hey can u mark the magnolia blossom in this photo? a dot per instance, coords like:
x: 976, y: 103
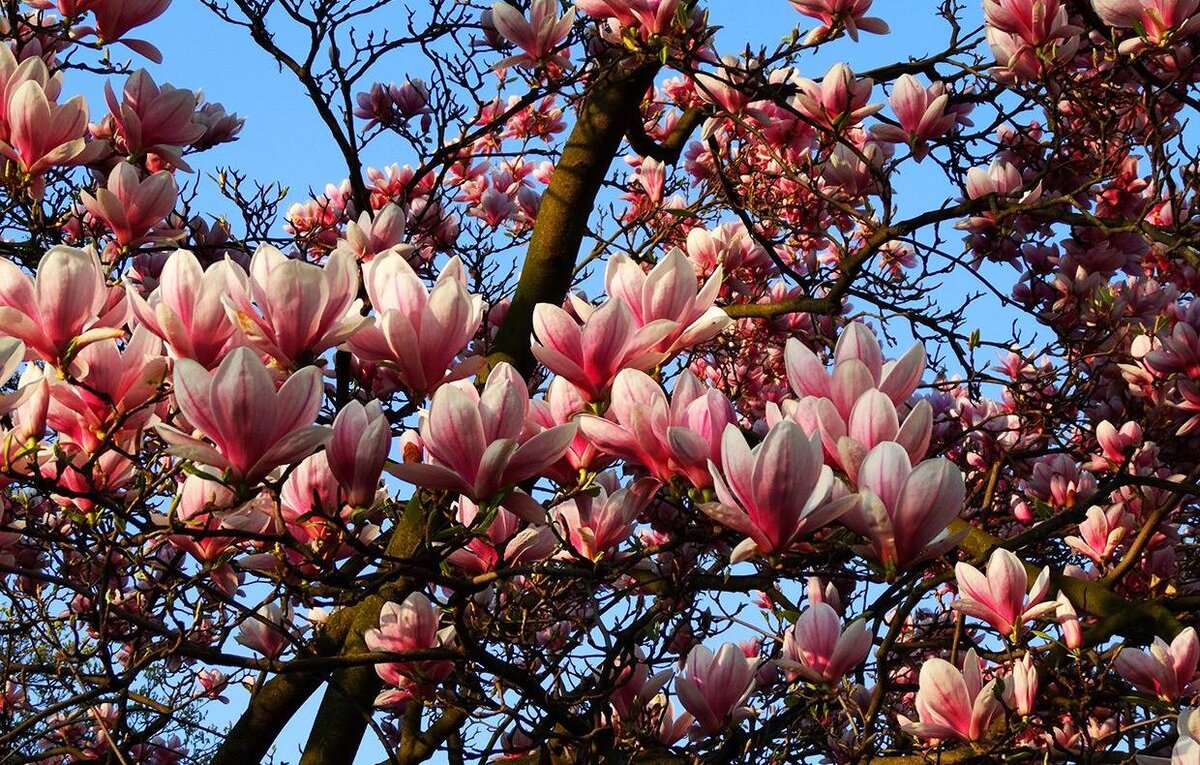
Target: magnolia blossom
x: 679, y: 438
x: 817, y: 648
x: 999, y: 597
x: 924, y: 114
x: 669, y: 292
x: 1156, y: 22
x: 130, y: 206
x: 1025, y: 684
x: 474, y: 442
x: 953, y: 704
x: 187, y: 309
x: 66, y: 306
x: 903, y: 509
x: 610, y: 340
x: 714, y: 687
x: 418, y: 332
x: 409, y: 626
x: 265, y: 631
x: 299, y: 310
x: 1187, y: 747
x: 1165, y: 670
x: 776, y: 492
x: 834, y: 14
x: 502, y: 537
x: 538, y: 37
x: 594, y: 525
x: 254, y: 428
x: 357, y: 449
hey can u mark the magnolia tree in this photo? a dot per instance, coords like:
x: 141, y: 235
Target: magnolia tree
x: 594, y: 428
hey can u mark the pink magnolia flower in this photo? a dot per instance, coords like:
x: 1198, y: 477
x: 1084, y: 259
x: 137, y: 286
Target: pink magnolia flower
x: 66, y: 306
x: 505, y: 539
x: 669, y: 292
x: 265, y: 631
x: 1166, y: 671
x: 473, y: 441
x: 775, y: 493
x: 116, y: 385
x: 152, y: 119
x: 538, y: 37
x: 187, y: 310
x: 417, y: 332
x: 858, y: 366
x: 254, y: 427
x: 653, y: 16
x: 1101, y: 532
x: 1156, y: 22
x: 115, y: 18
x: 673, y: 439
x: 955, y: 705
x: 1000, y: 598
x: 372, y: 235
x: 850, y: 15
x: 817, y: 648
x: 1187, y: 746
x: 207, y: 507
x: 1115, y: 445
x: 902, y: 509
x: 715, y: 687
x: 43, y: 134
x: 595, y: 524
x: 1068, y: 622
x: 591, y: 356
x: 1025, y: 685
x: 302, y: 309
x: 357, y: 450
x: 924, y: 114
x: 130, y: 206
x: 409, y: 626
x: 838, y: 101
x: 1028, y: 35
x: 561, y: 405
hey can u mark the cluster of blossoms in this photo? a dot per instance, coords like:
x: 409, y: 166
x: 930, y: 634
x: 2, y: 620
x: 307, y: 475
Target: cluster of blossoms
x: 484, y: 507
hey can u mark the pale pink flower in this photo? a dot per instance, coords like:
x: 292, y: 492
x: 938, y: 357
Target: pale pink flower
x: 299, y: 310
x: 66, y: 306
x: 538, y: 37
x: 115, y: 18
x: 594, y: 525
x: 904, y: 509
x: 131, y: 206
x: 187, y: 308
x: 653, y: 16
x: 858, y: 366
x: 1101, y: 532
x: 265, y: 631
x: 1025, y: 684
x: 43, y: 134
x: 850, y: 15
x: 924, y: 114
x: 418, y: 332
x: 714, y: 688
x: 952, y: 704
x: 672, y: 439
x: 505, y: 539
x: 357, y: 450
x: 561, y: 405
x: 409, y: 626
x: 254, y: 428
x: 1068, y: 622
x: 372, y: 235
x: 838, y: 101
x: 817, y: 648
x: 591, y: 356
x: 1165, y: 670
x: 1002, y: 597
x: 1156, y: 22
x: 669, y: 291
x: 154, y: 119
x: 775, y: 493
x: 473, y: 440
